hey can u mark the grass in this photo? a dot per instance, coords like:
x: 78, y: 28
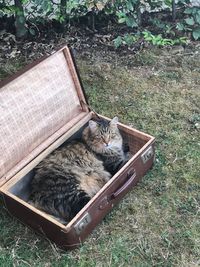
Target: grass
x: 157, y: 223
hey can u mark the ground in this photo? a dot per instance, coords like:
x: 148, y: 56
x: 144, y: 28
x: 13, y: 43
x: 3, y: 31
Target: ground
x: 157, y: 224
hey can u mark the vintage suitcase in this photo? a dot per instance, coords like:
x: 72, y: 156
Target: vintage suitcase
x: 40, y: 108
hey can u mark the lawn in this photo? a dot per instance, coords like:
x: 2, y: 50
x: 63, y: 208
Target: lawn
x: 157, y: 223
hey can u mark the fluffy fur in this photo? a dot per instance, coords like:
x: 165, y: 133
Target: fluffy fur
x: 69, y: 177
x: 106, y: 141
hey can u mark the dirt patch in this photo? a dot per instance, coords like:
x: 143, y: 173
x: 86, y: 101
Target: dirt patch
x: 94, y: 48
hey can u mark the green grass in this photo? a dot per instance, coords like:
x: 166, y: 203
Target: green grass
x: 157, y: 223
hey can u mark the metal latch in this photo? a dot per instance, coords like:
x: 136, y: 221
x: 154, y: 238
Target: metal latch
x: 82, y: 223
x: 147, y: 154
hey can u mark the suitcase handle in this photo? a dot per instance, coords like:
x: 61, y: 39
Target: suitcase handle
x: 131, y: 177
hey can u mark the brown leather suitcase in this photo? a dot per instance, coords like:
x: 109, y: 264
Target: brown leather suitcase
x: 40, y: 108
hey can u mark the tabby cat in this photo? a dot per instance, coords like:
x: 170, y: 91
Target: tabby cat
x: 69, y: 177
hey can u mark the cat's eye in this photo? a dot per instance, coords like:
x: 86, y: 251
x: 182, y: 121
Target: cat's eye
x: 97, y: 137
x: 113, y: 135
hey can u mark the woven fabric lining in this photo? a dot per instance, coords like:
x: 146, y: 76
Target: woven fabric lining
x: 33, y: 107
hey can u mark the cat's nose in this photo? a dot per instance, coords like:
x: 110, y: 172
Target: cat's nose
x: 106, y: 141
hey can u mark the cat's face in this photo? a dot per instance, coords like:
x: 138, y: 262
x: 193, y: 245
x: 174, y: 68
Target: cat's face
x: 104, y: 136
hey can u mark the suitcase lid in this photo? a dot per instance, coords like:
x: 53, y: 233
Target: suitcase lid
x: 38, y: 105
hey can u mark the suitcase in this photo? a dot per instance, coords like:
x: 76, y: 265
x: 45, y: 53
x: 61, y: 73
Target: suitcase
x: 41, y: 107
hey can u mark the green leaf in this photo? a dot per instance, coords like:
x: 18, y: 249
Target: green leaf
x: 129, y: 39
x: 49, y: 13
x: 38, y: 2
x: 188, y: 11
x: 129, y: 6
x: 130, y: 22
x: 122, y: 20
x: 25, y: 1
x: 196, y: 33
x: 146, y: 33
x: 148, y: 38
x: 190, y: 21
x: 120, y: 14
x: 61, y: 19
x: 168, y: 2
x: 180, y: 26
x: 118, y: 41
x: 197, y: 17
x: 32, y: 31
x: 154, y: 41
x: 46, y: 5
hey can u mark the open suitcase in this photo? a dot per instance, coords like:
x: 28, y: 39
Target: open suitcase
x: 41, y: 107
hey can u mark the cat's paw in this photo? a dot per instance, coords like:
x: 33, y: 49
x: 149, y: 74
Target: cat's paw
x: 128, y: 156
x: 126, y: 148
x: 106, y: 176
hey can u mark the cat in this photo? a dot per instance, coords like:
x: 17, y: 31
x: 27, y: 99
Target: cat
x: 69, y: 177
x: 106, y: 141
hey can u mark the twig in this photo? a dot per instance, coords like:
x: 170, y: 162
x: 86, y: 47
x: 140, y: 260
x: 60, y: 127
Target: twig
x: 35, y: 27
x: 173, y: 10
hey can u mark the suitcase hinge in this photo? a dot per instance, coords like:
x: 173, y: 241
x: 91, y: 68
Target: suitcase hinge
x: 147, y: 155
x: 82, y: 223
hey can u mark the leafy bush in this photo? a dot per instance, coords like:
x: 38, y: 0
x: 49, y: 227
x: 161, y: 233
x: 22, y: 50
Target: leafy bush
x: 185, y: 18
x: 191, y: 23
x: 170, y: 31
x: 157, y: 40
x: 127, y: 39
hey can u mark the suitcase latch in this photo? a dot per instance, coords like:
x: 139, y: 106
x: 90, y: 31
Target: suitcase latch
x: 82, y: 223
x: 147, y: 154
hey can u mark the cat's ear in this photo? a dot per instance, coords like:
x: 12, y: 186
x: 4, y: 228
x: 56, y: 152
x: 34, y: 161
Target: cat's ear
x: 114, y: 121
x: 92, y: 125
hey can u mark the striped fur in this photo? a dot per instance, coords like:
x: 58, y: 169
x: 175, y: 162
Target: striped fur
x: 106, y: 141
x: 69, y: 177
